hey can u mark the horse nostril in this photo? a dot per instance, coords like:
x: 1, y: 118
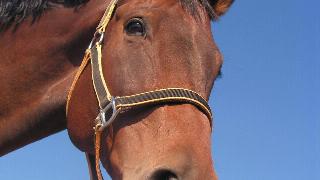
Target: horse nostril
x: 163, y: 174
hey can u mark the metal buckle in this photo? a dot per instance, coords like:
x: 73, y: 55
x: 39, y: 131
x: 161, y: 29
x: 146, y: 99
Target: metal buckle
x: 101, y: 118
x: 96, y: 35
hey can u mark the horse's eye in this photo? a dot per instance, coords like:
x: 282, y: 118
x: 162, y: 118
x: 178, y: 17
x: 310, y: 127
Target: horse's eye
x: 135, y: 27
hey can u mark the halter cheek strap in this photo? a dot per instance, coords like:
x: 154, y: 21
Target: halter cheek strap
x: 112, y: 106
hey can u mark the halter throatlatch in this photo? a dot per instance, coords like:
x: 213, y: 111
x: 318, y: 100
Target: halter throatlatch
x: 109, y: 104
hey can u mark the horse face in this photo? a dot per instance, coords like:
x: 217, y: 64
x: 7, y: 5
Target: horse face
x: 152, y: 45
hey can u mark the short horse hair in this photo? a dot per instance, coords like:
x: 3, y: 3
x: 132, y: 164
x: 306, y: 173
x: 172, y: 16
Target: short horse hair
x: 15, y: 11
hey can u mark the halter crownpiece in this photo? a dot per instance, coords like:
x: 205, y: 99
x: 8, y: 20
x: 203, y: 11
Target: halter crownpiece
x: 115, y: 105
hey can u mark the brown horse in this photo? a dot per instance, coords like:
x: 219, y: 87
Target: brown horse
x: 148, y: 45
x: 155, y: 45
x: 41, y: 45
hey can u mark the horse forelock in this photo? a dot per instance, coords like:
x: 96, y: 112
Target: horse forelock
x: 15, y: 11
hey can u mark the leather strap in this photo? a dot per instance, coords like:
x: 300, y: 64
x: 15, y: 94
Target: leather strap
x: 169, y: 95
x: 92, y: 166
x: 99, y: 83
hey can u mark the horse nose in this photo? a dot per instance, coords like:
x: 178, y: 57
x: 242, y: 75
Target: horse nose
x: 163, y: 174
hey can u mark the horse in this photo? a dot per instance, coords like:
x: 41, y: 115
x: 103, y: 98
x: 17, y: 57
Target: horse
x: 147, y: 46
x: 39, y: 54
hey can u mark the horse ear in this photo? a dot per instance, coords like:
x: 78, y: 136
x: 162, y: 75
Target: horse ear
x: 220, y: 6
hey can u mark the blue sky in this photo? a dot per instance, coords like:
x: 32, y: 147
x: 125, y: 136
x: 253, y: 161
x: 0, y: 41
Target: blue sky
x: 267, y: 117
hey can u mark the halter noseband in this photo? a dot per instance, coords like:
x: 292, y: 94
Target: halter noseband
x: 117, y: 104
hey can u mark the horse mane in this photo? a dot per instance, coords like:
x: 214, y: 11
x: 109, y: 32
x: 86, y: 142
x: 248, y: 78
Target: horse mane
x: 15, y: 11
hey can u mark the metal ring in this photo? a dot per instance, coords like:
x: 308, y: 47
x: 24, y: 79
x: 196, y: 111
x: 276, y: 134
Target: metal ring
x: 96, y: 35
x: 101, y: 118
x: 101, y: 38
x: 90, y: 45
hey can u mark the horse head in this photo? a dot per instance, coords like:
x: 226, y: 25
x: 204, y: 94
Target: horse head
x: 147, y: 46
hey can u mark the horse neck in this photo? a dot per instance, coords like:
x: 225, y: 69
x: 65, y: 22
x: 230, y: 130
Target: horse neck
x: 38, y: 60
x: 38, y: 55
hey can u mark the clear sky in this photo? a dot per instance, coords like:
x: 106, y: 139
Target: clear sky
x: 267, y: 117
